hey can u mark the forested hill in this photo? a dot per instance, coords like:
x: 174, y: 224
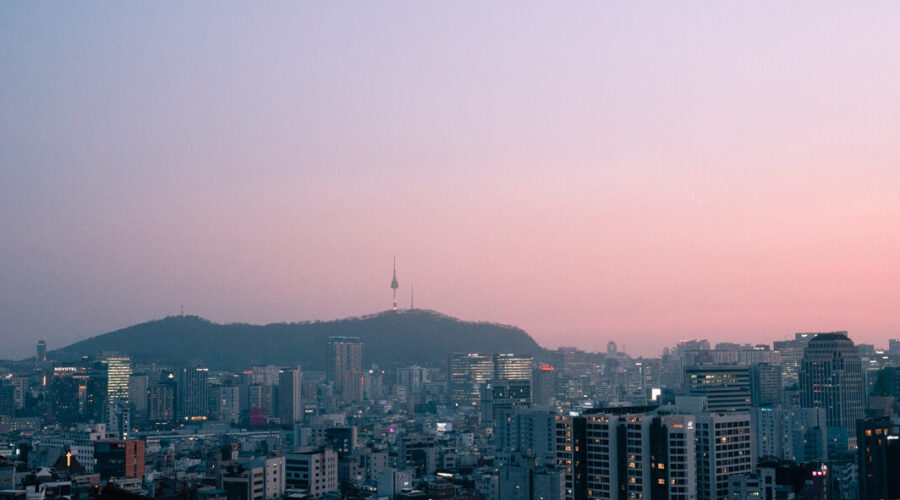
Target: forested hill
x: 392, y: 338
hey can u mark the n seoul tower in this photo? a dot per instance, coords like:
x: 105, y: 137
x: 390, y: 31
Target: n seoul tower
x: 394, y: 284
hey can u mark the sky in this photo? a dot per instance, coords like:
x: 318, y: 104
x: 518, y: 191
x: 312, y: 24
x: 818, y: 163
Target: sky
x: 643, y: 172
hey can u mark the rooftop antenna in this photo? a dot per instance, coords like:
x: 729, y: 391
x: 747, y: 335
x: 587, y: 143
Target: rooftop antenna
x: 412, y: 297
x: 182, y: 310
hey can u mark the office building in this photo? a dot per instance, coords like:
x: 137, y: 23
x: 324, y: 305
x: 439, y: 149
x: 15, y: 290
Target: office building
x: 469, y: 371
x: 766, y: 388
x: 524, y: 478
x: 161, y: 401
x: 345, y: 368
x: 41, y: 356
x: 290, y: 404
x: 193, y: 394
x: 724, y: 449
x: 413, y: 378
x: 791, y: 353
x: 255, y: 479
x: 467, y: 374
x: 760, y: 485
x: 119, y: 459
x: 118, y: 373
x: 629, y: 452
x: 544, y: 385
x: 138, y: 392
x: 726, y: 387
x: 503, y: 396
x: 228, y: 403
x: 512, y: 367
x: 831, y: 377
x: 527, y: 432
x: 878, y: 458
x: 312, y: 469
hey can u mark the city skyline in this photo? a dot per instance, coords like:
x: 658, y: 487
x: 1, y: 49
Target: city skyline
x: 605, y: 171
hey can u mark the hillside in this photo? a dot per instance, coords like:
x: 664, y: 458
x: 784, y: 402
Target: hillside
x: 391, y: 338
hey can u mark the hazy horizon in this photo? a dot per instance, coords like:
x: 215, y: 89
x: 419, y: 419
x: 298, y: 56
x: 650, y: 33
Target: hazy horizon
x: 603, y: 171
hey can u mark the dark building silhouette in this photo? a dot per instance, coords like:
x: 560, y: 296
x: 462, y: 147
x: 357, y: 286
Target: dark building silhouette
x: 41, y: 356
x: 878, y: 458
x: 193, y: 394
x: 766, y: 385
x: 119, y: 459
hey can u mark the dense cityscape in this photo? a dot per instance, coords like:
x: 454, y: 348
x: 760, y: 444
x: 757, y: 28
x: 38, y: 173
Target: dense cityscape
x: 647, y: 250
x: 815, y: 417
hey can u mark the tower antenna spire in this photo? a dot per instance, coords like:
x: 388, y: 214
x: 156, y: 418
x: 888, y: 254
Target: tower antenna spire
x: 394, y: 285
x: 412, y: 297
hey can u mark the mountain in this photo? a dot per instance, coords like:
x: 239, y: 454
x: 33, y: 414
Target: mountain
x: 390, y: 338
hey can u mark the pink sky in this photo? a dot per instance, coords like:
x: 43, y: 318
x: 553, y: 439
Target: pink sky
x: 641, y: 173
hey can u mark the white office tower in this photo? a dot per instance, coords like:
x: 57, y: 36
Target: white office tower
x: 314, y: 470
x: 724, y: 449
x: 768, y: 432
x: 118, y: 421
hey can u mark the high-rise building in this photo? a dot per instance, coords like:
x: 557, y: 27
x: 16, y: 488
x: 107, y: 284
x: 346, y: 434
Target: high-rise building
x: 261, y: 403
x: 118, y: 420
x: 791, y: 352
x: 290, y: 404
x: 193, y: 394
x: 118, y: 373
x: 878, y: 458
x: 766, y: 387
x: 724, y: 450
x: 525, y: 431
x: 345, y: 368
x: 413, y: 378
x: 20, y: 385
x: 632, y: 452
x: 7, y: 400
x: 499, y: 396
x: 95, y: 392
x: 469, y: 371
x: 512, y: 367
x: 41, y: 356
x: 228, y: 403
x: 544, y: 379
x: 65, y: 391
x: 726, y: 387
x: 138, y: 391
x: 467, y: 374
x: 789, y: 433
x: 161, y: 397
x: 831, y: 377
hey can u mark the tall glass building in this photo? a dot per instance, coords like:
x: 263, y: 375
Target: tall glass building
x: 118, y: 374
x: 831, y: 377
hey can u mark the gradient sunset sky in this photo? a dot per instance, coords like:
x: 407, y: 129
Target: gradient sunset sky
x: 635, y: 171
